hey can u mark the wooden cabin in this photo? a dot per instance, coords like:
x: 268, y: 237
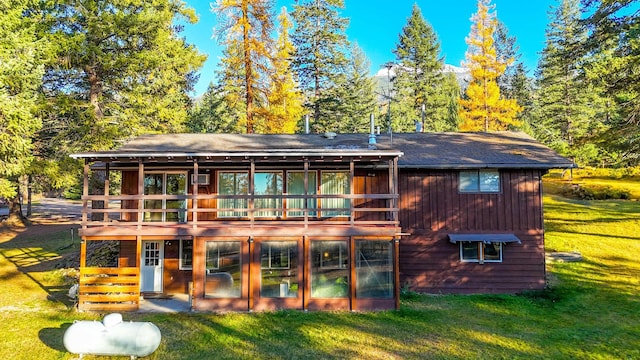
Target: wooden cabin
x: 313, y: 222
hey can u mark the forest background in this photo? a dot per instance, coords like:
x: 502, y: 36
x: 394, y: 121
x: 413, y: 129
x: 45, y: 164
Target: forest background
x: 89, y: 75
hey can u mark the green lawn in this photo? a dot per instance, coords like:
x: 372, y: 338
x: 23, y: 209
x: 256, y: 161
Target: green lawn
x: 591, y: 310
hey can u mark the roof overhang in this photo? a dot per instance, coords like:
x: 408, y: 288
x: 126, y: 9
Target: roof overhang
x: 485, y: 238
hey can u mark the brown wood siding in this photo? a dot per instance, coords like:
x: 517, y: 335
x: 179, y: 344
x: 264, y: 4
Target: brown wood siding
x: 175, y: 281
x: 127, y: 256
x: 432, y: 207
x: 129, y: 187
x: 370, y: 182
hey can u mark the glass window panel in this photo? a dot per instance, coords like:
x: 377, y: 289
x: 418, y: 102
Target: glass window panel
x: 268, y: 183
x: 469, y: 181
x: 223, y: 273
x: 153, y: 185
x: 492, y: 252
x: 489, y: 181
x: 233, y: 183
x: 186, y: 254
x: 329, y: 269
x: 279, y: 261
x: 469, y: 251
x: 176, y: 185
x: 335, y: 183
x: 295, y: 186
x: 374, y: 269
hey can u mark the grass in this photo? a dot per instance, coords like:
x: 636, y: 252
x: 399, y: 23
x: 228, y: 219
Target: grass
x: 590, y: 311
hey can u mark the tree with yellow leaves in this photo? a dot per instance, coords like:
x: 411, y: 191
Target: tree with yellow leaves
x: 285, y: 99
x: 483, y: 109
x: 245, y: 29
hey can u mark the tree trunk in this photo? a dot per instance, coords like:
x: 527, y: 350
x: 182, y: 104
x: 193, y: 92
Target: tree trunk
x: 15, y: 208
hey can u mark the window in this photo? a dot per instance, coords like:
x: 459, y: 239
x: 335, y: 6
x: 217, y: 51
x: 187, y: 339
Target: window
x: 479, y: 181
x: 374, y: 269
x: 295, y: 186
x: 186, y: 254
x: 481, y: 252
x: 223, y: 272
x: 232, y: 183
x: 165, y: 184
x: 267, y: 183
x: 329, y: 269
x: 279, y: 263
x: 335, y: 183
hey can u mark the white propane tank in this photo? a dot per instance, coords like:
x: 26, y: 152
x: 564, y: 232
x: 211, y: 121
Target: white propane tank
x: 112, y: 336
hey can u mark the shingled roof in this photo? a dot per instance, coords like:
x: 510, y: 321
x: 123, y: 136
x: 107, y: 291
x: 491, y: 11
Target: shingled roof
x: 416, y: 150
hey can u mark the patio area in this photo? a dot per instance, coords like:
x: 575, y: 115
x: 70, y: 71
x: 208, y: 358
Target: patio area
x: 167, y: 303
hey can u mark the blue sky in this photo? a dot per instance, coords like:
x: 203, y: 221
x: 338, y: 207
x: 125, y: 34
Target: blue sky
x: 375, y: 26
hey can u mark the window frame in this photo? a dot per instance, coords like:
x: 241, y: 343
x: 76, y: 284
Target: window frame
x: 182, y: 266
x: 476, y: 179
x: 481, y: 250
x: 335, y: 213
x: 164, y: 174
x: 280, y: 204
x: 233, y: 214
x: 312, y: 190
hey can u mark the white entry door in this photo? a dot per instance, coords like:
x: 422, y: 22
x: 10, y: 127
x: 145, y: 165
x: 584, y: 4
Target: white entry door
x: 151, y: 268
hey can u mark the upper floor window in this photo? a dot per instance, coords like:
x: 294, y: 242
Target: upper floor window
x: 335, y: 183
x: 268, y: 183
x: 232, y: 183
x: 295, y: 186
x: 479, y: 181
x: 165, y: 184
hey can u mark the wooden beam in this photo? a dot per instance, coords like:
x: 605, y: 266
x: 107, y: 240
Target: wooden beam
x: 140, y: 193
x: 106, y: 191
x: 352, y: 273
x: 85, y: 193
x: 194, y: 192
x: 396, y: 272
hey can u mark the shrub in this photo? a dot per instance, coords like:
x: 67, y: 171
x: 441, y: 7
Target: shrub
x: 581, y: 192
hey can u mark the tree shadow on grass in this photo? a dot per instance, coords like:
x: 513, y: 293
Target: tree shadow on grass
x: 52, y: 337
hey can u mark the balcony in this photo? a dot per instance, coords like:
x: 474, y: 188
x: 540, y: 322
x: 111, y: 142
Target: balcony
x: 354, y: 214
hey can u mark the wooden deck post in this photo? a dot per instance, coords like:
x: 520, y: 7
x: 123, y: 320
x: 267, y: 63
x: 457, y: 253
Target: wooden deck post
x: 194, y: 192
x: 85, y: 193
x: 396, y: 272
x: 107, y: 183
x: 140, y: 216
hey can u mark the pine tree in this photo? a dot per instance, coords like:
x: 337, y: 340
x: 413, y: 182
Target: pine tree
x: 285, y: 99
x: 247, y: 27
x: 211, y: 114
x: 569, y: 106
x: 21, y: 57
x: 357, y: 95
x: 614, y: 27
x: 419, y: 82
x: 320, y: 56
x: 507, y: 51
x: 483, y: 108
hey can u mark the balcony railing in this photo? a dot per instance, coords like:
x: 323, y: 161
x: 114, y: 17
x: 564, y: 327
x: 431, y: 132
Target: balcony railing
x: 359, y: 210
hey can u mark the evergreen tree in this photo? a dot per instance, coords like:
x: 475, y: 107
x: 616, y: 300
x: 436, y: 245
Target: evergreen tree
x: 614, y: 27
x: 285, y: 99
x: 483, y: 108
x: 320, y: 56
x: 211, y: 114
x: 357, y: 98
x: 568, y: 104
x: 120, y: 70
x: 247, y: 27
x: 419, y: 80
x: 506, y: 52
x: 21, y: 70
